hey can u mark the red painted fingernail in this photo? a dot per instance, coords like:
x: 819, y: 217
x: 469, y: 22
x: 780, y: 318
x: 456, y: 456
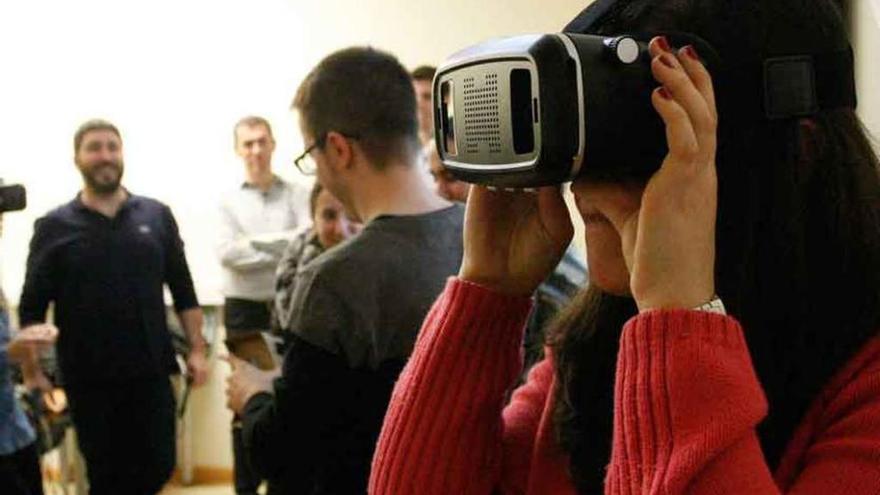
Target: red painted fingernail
x: 667, y: 60
x: 691, y: 52
x: 663, y: 43
x: 664, y: 93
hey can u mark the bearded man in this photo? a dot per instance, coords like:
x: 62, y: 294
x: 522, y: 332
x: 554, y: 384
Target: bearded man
x: 103, y: 259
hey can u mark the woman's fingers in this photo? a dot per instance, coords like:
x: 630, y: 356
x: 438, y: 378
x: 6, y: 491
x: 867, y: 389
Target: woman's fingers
x: 685, y: 86
x: 513, y: 239
x: 690, y: 61
x: 681, y: 136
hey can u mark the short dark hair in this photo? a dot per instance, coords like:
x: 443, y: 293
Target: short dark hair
x: 424, y: 73
x: 251, y: 121
x: 90, y: 126
x: 364, y: 93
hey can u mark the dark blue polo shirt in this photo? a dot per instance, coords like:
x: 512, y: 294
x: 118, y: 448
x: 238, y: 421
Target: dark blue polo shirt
x: 106, y: 276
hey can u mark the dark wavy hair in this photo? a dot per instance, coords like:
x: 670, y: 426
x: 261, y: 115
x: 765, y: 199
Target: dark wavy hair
x: 798, y: 233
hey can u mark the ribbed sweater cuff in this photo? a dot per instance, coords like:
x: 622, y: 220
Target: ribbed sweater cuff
x: 470, y: 311
x: 685, y: 390
x: 470, y: 347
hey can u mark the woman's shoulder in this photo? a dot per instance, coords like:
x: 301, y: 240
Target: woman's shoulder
x: 858, y: 379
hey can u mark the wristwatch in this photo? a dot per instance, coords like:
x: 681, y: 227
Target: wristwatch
x: 713, y: 306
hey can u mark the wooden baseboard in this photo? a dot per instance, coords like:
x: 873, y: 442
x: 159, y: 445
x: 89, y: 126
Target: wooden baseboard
x: 202, y: 475
x: 206, y: 475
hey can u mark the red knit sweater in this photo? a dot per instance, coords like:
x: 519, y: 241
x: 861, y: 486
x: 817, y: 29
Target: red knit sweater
x: 687, y: 401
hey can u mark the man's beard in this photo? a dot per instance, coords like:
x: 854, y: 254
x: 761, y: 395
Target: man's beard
x: 99, y: 186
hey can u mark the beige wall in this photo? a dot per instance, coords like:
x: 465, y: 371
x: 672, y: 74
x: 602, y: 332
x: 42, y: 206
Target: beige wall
x: 176, y: 75
x: 865, y: 19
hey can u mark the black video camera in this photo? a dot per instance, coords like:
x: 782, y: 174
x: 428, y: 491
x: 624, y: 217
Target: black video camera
x: 12, y: 197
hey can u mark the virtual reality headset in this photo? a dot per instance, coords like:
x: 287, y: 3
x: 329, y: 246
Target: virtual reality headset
x: 537, y: 110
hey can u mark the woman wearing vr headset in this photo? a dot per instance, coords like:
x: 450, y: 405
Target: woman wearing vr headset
x: 652, y: 385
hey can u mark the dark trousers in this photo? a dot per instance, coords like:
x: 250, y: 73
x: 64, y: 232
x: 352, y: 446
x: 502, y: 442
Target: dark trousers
x: 126, y: 433
x: 20, y: 472
x: 241, y: 315
x: 246, y: 480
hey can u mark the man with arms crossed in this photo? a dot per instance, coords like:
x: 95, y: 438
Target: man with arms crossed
x: 257, y: 220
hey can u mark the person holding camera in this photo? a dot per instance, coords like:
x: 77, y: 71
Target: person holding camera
x: 19, y: 458
x: 652, y: 384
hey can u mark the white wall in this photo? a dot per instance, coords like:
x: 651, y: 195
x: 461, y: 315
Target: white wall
x: 175, y: 75
x: 865, y: 18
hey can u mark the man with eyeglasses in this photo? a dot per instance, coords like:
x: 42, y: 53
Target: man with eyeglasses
x: 358, y: 307
x: 257, y: 220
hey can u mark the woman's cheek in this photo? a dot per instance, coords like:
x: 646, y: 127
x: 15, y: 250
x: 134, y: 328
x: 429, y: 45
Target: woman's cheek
x: 607, y: 267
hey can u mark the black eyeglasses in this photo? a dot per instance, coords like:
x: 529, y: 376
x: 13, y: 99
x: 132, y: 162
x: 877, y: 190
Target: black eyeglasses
x: 305, y: 163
